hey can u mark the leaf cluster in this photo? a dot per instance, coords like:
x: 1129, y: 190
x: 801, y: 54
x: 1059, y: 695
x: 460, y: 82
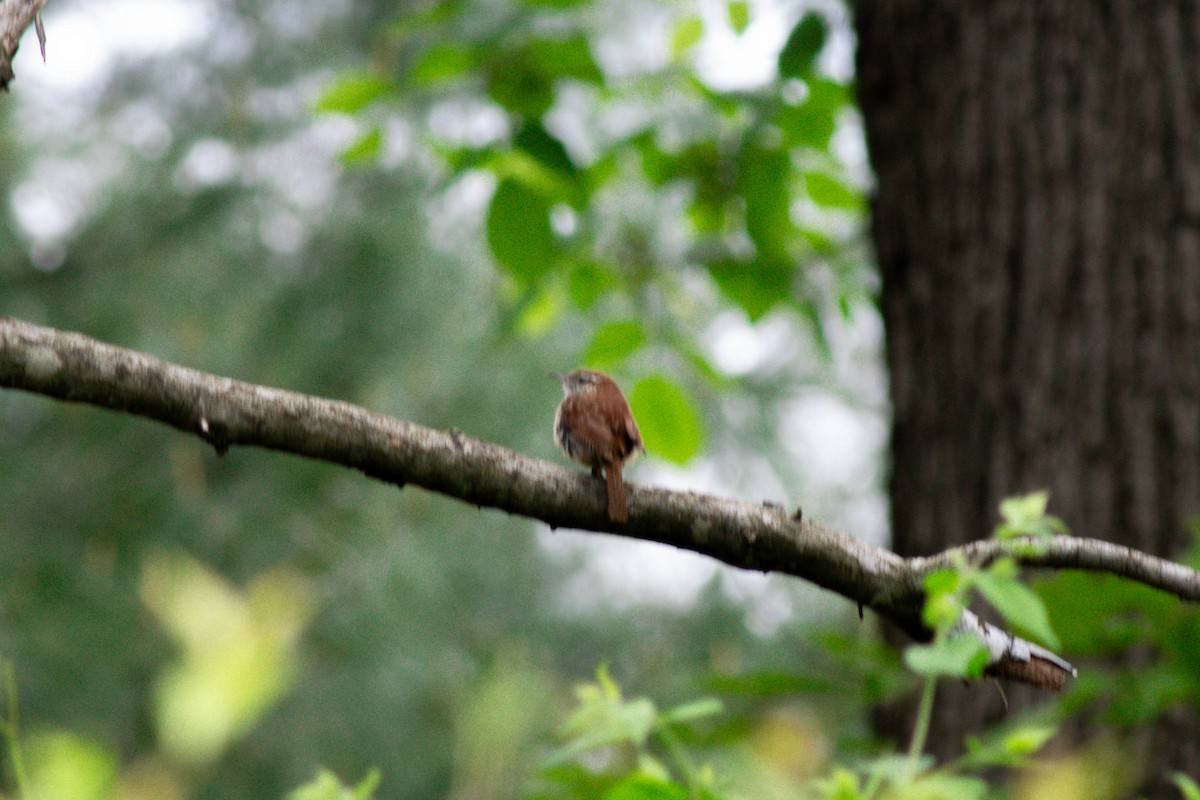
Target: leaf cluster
x: 631, y: 202
x: 957, y: 653
x: 627, y: 749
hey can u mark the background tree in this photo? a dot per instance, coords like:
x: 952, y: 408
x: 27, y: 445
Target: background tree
x: 1035, y: 225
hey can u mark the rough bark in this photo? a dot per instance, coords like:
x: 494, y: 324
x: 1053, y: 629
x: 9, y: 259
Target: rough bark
x: 1037, y: 222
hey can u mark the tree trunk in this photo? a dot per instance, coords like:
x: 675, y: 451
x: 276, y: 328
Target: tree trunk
x: 1037, y: 222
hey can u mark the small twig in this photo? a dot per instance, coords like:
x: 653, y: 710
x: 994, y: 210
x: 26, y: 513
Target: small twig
x: 1069, y: 552
x: 41, y: 33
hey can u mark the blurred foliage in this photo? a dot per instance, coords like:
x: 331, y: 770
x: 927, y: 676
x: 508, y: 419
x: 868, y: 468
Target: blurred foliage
x: 948, y: 593
x: 630, y: 196
x: 238, y: 652
x: 422, y: 209
x: 1098, y: 615
x: 223, y: 201
x: 628, y: 749
x: 326, y: 786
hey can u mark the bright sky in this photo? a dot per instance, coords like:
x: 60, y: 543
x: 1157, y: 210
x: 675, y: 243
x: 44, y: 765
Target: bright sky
x: 84, y: 39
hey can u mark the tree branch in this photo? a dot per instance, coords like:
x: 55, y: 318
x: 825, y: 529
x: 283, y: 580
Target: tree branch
x: 1068, y: 552
x: 15, y: 17
x: 756, y: 536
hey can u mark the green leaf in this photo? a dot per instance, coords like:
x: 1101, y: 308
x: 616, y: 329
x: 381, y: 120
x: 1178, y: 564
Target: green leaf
x: 587, y: 282
x: 964, y: 656
x: 802, y: 47
x: 635, y: 720
x: 707, y: 213
x: 670, y: 424
x: 1018, y: 604
x: 763, y: 184
x: 703, y: 366
x: 541, y: 311
x: 519, y: 232
x: 649, y: 766
x: 535, y: 140
x: 67, y: 765
x: 657, y: 166
x: 821, y: 242
x: 367, y: 786
x: 522, y: 80
x: 518, y: 85
x: 1009, y: 748
x: 943, y: 581
x: 572, y: 780
x: 518, y: 164
x: 601, y: 171
x: 603, y: 720
x: 942, y: 612
x: 351, y: 93
x: 842, y: 784
x: 1005, y: 567
x: 697, y: 709
x: 1187, y: 786
x: 1027, y: 739
x: 645, y: 787
x: 812, y: 122
x: 688, y: 31
x: 755, y: 286
x: 1022, y: 510
x: 606, y: 682
x: 829, y: 192
x: 443, y: 61
x: 567, y: 58
x: 326, y: 786
x: 944, y: 602
x: 945, y: 786
x: 432, y: 15
x: 365, y: 148
x: 1026, y: 516
x: 895, y: 768
x: 763, y: 178
x: 613, y: 343
x: 738, y: 13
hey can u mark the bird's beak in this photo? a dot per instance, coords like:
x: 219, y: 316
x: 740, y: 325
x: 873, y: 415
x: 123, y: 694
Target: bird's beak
x: 558, y: 376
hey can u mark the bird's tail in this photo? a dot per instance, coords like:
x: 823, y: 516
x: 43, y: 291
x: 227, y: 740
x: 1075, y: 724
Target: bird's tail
x: 617, y: 510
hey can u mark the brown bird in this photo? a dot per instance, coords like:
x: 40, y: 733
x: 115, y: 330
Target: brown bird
x: 594, y: 426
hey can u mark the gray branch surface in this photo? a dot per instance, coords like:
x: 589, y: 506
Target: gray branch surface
x: 764, y: 537
x: 15, y: 17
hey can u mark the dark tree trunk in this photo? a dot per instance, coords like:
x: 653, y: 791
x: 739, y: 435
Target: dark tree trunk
x: 1037, y: 222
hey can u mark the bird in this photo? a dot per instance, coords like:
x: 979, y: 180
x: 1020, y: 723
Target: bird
x: 595, y: 427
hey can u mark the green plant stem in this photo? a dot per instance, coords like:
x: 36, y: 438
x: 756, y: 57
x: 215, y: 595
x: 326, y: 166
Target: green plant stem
x: 10, y: 729
x: 682, y: 762
x: 921, y: 728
